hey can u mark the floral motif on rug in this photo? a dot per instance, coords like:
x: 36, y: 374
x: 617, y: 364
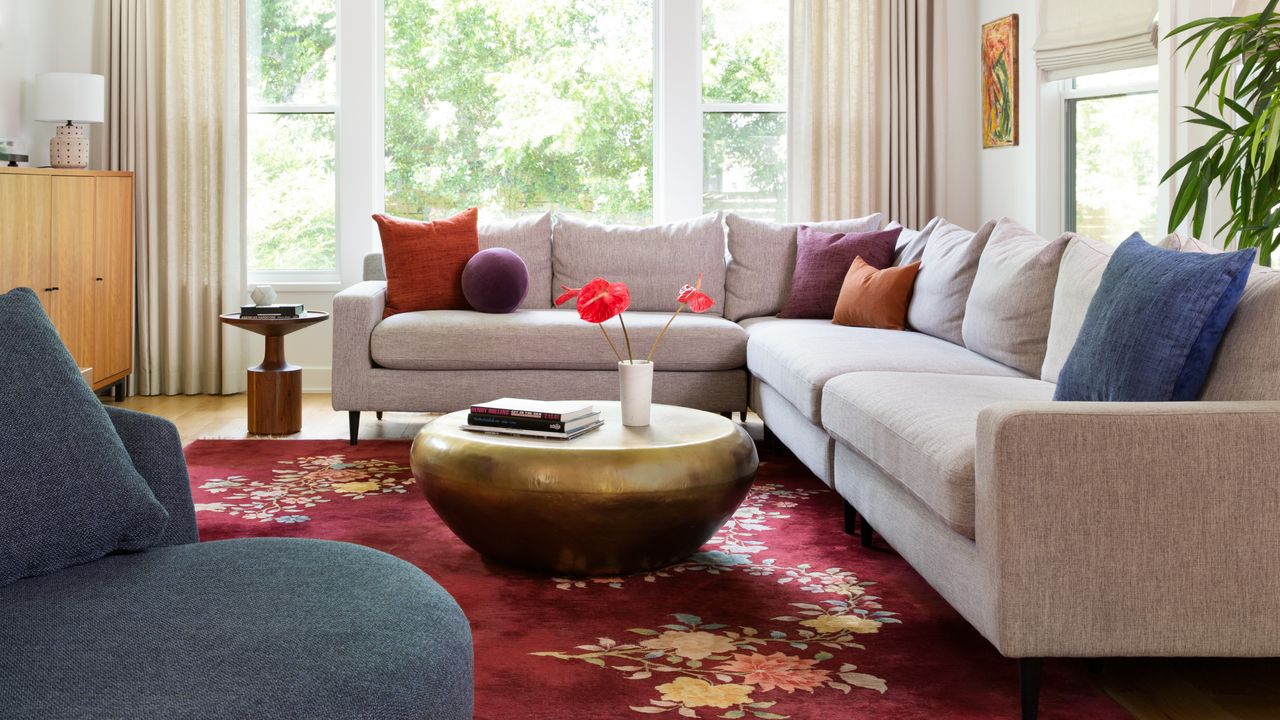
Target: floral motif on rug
x: 744, y: 671
x: 303, y: 483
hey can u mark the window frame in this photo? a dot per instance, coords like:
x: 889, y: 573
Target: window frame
x: 678, y: 112
x: 1070, y: 96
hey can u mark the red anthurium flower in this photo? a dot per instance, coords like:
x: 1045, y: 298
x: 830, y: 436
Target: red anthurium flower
x: 693, y: 296
x: 568, y: 294
x: 600, y: 300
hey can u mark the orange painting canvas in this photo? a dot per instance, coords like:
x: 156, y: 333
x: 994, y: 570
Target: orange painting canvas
x: 1000, y: 82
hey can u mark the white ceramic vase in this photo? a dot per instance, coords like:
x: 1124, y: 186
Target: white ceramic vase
x: 635, y: 388
x: 263, y: 295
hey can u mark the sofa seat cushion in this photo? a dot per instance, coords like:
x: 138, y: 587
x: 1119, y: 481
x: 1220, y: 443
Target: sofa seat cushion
x: 798, y: 357
x: 921, y: 429
x: 269, y: 628
x: 551, y: 340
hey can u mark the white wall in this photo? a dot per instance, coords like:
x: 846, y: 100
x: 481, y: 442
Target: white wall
x: 38, y: 36
x: 1007, y: 176
x: 958, y: 131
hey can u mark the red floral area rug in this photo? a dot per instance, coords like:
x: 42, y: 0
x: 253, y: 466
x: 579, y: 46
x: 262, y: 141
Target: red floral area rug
x: 781, y: 615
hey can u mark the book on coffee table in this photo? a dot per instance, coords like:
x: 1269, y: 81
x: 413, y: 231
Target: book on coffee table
x: 551, y: 410
x: 550, y: 435
x: 523, y: 423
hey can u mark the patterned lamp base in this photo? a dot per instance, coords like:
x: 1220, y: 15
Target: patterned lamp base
x: 69, y: 148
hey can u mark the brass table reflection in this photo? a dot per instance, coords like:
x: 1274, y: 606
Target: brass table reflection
x: 613, y: 501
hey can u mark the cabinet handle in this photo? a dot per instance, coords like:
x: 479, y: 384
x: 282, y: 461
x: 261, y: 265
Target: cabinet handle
x: 55, y: 288
x: 98, y: 279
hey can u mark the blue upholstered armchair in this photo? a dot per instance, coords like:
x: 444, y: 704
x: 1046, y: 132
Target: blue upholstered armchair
x: 263, y: 628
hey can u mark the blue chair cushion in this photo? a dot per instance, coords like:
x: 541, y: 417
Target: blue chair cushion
x: 69, y: 492
x: 1154, y: 324
x: 274, y: 628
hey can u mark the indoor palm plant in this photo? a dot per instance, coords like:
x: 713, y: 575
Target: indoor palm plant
x: 1243, y: 76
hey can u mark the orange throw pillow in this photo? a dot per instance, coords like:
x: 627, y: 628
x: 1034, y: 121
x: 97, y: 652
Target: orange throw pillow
x: 424, y: 261
x: 875, y: 298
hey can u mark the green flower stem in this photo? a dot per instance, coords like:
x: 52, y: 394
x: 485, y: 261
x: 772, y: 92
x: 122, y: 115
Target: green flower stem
x: 654, y: 347
x: 627, y: 337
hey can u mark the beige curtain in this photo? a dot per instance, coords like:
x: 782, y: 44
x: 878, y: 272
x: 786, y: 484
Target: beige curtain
x: 863, y: 135
x: 174, y: 117
x: 908, y: 167
x: 833, y: 157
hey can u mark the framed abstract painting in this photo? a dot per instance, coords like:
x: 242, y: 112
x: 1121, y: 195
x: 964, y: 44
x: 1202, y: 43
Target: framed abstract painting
x: 1000, y: 82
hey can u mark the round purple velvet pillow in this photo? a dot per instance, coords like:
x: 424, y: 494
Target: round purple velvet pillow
x: 495, y: 281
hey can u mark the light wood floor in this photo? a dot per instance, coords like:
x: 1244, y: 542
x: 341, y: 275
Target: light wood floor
x: 1152, y: 689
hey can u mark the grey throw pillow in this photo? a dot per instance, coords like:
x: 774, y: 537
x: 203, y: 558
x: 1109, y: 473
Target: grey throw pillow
x: 911, y: 243
x: 1006, y: 317
x: 69, y: 493
x: 947, y: 267
x: 763, y: 260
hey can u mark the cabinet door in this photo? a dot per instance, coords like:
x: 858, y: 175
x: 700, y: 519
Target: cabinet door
x: 72, y: 264
x: 24, y: 234
x: 113, y: 277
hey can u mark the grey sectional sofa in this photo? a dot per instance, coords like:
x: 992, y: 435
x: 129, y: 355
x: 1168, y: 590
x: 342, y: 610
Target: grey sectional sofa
x: 1058, y: 529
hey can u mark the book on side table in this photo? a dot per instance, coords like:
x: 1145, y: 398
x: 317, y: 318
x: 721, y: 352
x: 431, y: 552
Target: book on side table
x: 533, y: 418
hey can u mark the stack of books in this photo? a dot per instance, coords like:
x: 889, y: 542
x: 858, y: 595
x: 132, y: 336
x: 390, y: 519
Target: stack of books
x: 534, y: 418
x: 279, y: 310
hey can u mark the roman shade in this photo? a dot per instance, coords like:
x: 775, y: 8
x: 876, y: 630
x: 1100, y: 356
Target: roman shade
x: 1081, y: 37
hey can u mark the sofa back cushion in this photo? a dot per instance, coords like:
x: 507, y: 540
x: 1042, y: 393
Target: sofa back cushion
x: 1078, y: 276
x: 947, y: 267
x: 762, y: 259
x: 911, y: 243
x: 653, y: 261
x: 529, y: 237
x: 1006, y: 317
x: 69, y: 492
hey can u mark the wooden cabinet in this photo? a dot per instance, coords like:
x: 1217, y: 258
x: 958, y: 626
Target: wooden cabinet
x: 68, y: 235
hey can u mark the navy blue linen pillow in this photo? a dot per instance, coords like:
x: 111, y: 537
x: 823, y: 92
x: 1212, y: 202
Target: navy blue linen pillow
x: 1154, y: 324
x: 69, y: 493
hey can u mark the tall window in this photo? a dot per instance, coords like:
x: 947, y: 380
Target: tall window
x: 1111, y: 148
x: 744, y: 95
x: 515, y: 106
x: 292, y: 106
x: 519, y: 107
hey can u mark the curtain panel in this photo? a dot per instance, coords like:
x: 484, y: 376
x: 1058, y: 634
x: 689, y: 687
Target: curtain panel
x: 863, y: 134
x: 1082, y: 37
x: 175, y: 95
x: 833, y: 160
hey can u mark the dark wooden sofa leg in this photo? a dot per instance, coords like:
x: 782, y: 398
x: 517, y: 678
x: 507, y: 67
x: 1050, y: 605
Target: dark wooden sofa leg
x: 850, y: 519
x: 353, y: 419
x: 1029, y: 687
x: 378, y: 414
x: 865, y: 532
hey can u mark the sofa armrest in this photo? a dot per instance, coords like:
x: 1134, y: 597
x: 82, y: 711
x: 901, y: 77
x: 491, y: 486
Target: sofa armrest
x: 156, y: 451
x: 357, y: 310
x: 1131, y: 528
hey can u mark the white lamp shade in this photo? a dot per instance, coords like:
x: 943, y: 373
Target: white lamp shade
x: 73, y: 97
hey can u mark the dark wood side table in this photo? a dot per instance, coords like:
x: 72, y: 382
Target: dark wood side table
x: 275, y: 386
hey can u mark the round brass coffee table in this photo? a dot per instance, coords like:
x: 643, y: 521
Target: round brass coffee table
x: 613, y: 501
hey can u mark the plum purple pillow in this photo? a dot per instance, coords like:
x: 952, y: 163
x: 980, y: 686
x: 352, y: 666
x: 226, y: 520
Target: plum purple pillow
x: 823, y: 259
x: 495, y: 281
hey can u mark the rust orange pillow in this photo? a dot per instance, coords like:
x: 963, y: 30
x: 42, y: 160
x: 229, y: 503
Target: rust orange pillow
x: 424, y: 261
x: 875, y: 298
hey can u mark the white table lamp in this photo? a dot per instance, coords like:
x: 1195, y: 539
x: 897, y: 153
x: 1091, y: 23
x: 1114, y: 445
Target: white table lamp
x: 70, y: 98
